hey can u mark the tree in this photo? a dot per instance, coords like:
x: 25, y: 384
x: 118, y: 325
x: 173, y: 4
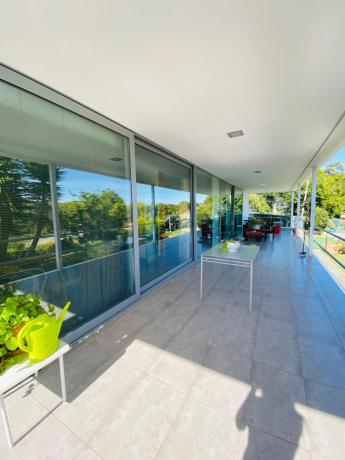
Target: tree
x: 39, y: 196
x: 321, y: 217
x: 94, y: 214
x: 335, y: 168
x: 258, y: 203
x: 204, y: 209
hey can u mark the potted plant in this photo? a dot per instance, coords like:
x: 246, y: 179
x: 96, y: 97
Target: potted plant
x: 233, y: 245
x: 15, y: 312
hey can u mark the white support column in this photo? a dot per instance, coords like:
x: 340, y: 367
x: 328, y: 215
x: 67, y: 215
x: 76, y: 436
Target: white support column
x: 298, y: 206
x: 292, y: 209
x: 312, y: 210
x: 245, y: 208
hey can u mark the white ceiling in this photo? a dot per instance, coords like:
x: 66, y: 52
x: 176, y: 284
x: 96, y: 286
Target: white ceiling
x: 184, y: 73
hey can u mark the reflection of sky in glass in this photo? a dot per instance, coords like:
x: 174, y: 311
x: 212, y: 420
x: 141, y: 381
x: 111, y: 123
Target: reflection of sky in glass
x: 200, y: 197
x: 73, y: 182
x: 162, y: 195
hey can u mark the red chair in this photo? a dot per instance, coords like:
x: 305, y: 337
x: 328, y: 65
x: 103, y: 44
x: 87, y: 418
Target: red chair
x: 277, y: 229
x: 254, y: 234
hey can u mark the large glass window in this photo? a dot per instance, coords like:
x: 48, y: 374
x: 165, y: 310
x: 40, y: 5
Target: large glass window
x: 163, y: 201
x: 89, y: 259
x: 225, y: 212
x: 208, y: 210
x: 238, y: 205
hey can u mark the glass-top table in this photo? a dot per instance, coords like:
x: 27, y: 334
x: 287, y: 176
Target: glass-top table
x: 245, y: 256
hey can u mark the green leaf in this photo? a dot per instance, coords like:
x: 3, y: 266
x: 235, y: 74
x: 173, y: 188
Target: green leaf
x: 3, y: 351
x: 11, y: 343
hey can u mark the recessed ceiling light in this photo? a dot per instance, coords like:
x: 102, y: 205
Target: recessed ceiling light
x: 258, y: 171
x: 116, y: 159
x: 237, y: 133
x: 263, y: 185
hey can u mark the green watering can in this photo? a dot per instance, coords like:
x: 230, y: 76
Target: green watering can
x: 40, y: 336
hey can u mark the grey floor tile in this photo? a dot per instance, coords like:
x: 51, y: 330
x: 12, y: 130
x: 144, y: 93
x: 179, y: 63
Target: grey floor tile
x: 202, y: 326
x: 87, y: 454
x: 222, y: 382
x: 138, y: 426
x: 254, y: 444
x: 322, y: 362
x: 276, y: 404
x: 308, y: 306
x: 200, y: 432
x: 146, y: 347
x: 99, y: 401
x: 335, y: 308
x: 340, y: 328
x: 278, y: 323
x: 179, y: 363
x: 278, y: 348
x: 326, y: 419
x: 237, y: 334
x: 176, y: 316
x: 36, y: 432
x: 318, y: 328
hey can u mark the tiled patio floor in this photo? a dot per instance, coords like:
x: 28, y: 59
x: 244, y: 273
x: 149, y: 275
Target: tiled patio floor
x: 176, y: 378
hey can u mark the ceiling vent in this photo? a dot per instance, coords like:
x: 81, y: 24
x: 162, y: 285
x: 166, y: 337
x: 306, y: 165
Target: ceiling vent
x: 116, y: 159
x: 236, y: 133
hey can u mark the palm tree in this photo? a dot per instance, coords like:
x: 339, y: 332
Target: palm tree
x: 38, y: 185
x: 13, y: 198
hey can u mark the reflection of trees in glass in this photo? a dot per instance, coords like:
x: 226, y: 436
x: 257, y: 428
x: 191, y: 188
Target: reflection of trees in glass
x: 204, y: 210
x: 169, y: 219
x: 94, y: 225
x: 38, y: 186
x: 25, y: 214
x: 12, y: 200
x: 94, y: 214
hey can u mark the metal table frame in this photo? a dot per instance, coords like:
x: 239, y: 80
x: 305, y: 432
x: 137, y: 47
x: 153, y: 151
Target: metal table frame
x: 233, y: 262
x: 21, y: 372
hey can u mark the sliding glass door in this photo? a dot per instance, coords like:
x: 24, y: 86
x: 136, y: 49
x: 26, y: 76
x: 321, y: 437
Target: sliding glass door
x: 164, y: 210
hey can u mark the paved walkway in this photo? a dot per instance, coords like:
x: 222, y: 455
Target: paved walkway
x: 176, y: 378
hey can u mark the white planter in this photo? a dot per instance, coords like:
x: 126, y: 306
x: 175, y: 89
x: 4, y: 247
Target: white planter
x: 233, y: 246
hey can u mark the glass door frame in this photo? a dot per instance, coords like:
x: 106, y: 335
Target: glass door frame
x: 159, y: 151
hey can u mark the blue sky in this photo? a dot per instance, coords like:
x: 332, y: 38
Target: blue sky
x: 74, y: 182
x: 339, y: 156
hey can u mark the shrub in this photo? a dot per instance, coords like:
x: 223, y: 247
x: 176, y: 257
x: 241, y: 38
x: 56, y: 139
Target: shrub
x: 45, y: 248
x: 321, y: 218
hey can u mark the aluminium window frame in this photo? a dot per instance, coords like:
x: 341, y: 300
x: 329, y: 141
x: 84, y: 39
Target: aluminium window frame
x: 156, y: 150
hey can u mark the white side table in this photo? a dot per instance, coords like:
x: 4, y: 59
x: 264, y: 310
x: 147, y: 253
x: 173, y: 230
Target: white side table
x: 22, y: 371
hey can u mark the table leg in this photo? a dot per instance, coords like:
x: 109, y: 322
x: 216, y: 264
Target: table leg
x: 62, y: 377
x: 258, y: 266
x: 5, y: 422
x: 201, y: 275
x: 251, y: 287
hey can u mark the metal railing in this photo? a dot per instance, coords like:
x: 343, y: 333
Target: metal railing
x: 331, y: 243
x: 282, y: 219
